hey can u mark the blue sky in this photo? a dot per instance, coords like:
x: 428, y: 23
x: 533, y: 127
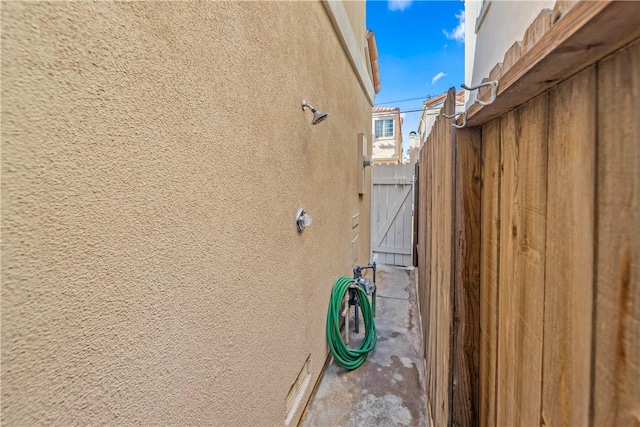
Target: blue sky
x: 421, y: 52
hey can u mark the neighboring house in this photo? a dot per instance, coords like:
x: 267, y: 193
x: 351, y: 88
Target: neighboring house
x: 154, y: 157
x: 414, y: 146
x: 491, y: 27
x: 387, y: 135
x: 430, y: 110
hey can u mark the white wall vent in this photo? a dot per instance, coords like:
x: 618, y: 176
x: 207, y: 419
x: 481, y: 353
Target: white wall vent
x: 297, y: 392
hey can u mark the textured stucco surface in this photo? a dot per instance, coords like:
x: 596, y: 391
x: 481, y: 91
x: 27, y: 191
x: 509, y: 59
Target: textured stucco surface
x: 154, y: 155
x: 356, y: 11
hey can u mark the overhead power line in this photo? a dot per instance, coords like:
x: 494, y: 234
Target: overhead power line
x: 404, y: 100
x: 411, y: 111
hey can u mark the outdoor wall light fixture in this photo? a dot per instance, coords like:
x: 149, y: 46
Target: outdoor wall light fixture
x: 303, y: 220
x: 318, y: 115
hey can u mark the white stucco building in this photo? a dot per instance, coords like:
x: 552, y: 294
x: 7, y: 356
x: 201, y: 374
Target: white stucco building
x: 431, y: 109
x: 491, y: 27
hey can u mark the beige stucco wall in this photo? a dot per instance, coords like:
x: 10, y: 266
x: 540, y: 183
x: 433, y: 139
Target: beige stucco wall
x: 356, y: 11
x: 154, y: 155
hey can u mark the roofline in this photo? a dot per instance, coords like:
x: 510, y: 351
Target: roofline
x: 442, y: 96
x: 373, y: 57
x: 343, y: 29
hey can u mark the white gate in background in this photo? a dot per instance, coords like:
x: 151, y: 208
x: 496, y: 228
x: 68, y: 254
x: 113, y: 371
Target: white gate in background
x: 392, y: 213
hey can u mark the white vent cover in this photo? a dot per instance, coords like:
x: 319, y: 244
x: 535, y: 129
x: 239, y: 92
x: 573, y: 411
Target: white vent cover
x: 297, y: 392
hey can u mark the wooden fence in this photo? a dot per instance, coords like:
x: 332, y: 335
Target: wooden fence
x: 391, y: 213
x: 448, y: 213
x: 529, y: 256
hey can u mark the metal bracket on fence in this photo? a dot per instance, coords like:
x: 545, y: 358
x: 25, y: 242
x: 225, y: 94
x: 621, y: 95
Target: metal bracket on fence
x: 455, y: 116
x: 494, y: 91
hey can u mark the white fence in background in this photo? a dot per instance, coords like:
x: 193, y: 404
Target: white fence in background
x: 392, y: 213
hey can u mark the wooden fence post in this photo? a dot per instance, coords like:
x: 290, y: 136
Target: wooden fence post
x: 465, y: 351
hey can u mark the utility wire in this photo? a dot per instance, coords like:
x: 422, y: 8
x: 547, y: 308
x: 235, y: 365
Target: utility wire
x: 411, y: 111
x: 404, y: 100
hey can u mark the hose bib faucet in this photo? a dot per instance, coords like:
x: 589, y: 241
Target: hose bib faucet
x: 367, y: 285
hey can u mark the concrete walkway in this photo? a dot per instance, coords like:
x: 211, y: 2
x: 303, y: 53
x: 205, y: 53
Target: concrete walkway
x: 388, y: 389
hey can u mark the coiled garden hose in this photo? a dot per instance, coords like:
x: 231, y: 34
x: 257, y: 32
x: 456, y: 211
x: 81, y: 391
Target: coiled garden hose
x: 347, y: 357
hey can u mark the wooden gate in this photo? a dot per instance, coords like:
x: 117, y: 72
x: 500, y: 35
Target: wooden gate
x: 392, y: 213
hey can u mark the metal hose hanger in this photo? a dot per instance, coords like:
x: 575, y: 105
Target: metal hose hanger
x: 492, y: 99
x: 494, y: 91
x: 455, y: 116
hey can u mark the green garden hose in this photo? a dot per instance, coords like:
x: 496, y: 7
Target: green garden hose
x: 347, y: 357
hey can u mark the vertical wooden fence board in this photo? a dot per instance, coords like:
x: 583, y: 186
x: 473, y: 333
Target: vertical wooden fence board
x: 449, y: 262
x: 423, y: 239
x: 445, y: 308
x: 505, y: 408
x: 436, y: 281
x: 424, y: 280
x: 440, y: 368
x: 435, y: 229
x: 616, y: 390
x: 416, y: 210
x: 418, y: 229
x: 435, y: 223
x: 522, y: 263
x: 530, y: 247
x: 569, y: 246
x: 466, y: 292
x: 425, y: 262
x: 433, y: 350
x: 442, y: 355
x: 425, y: 171
x: 443, y: 290
x: 489, y: 257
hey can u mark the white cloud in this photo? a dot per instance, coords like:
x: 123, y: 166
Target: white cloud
x: 399, y: 4
x: 458, y: 32
x: 437, y: 77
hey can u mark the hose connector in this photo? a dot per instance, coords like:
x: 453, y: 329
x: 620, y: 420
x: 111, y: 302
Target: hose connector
x: 367, y: 285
